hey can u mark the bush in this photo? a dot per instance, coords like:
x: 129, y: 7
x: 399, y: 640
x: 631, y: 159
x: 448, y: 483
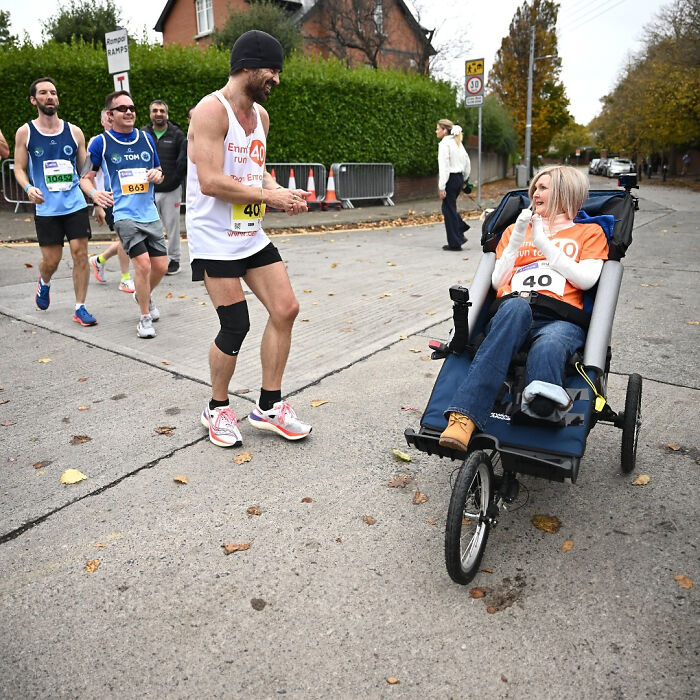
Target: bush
x: 321, y: 111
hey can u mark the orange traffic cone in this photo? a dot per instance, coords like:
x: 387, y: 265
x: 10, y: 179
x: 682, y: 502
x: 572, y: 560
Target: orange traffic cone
x: 310, y: 198
x: 292, y: 184
x: 330, y: 201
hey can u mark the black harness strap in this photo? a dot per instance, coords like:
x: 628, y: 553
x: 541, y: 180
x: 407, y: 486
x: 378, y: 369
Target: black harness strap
x: 549, y: 305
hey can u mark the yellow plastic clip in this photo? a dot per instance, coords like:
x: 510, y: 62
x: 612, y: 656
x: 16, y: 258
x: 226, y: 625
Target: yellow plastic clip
x: 599, y: 399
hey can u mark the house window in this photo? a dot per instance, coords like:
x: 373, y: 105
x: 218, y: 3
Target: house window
x: 379, y: 15
x: 205, y: 17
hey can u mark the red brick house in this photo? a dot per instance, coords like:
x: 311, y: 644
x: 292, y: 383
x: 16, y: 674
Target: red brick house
x: 390, y: 35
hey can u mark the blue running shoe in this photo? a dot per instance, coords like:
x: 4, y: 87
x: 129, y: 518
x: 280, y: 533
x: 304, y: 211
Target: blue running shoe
x: 43, y: 295
x: 84, y: 317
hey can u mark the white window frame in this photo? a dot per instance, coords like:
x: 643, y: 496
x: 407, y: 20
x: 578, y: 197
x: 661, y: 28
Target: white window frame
x: 204, y: 11
x: 379, y: 15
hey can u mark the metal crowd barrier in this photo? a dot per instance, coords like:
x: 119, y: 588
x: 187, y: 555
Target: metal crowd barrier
x: 301, y: 175
x: 363, y: 181
x: 11, y: 191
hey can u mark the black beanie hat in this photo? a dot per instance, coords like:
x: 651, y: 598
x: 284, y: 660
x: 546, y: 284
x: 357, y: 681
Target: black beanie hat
x: 256, y: 49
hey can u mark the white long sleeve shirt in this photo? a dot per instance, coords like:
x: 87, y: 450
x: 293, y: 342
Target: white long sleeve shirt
x: 451, y: 159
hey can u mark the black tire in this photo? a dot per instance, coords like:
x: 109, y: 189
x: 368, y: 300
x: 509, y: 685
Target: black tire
x: 467, y: 527
x: 631, y: 423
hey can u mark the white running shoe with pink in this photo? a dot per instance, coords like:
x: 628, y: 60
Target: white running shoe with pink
x: 223, y: 426
x: 280, y: 419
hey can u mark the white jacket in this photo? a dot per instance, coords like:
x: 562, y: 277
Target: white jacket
x: 451, y: 159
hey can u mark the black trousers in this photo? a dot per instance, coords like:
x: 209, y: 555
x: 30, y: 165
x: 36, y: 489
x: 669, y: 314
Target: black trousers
x: 454, y: 226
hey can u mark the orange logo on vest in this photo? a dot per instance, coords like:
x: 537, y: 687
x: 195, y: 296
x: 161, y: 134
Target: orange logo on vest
x: 257, y: 152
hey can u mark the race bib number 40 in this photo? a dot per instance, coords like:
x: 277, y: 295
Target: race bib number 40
x: 536, y: 277
x: 133, y: 181
x: 247, y: 217
x: 58, y: 175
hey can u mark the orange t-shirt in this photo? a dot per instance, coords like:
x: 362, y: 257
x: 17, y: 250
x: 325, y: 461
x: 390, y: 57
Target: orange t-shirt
x: 531, y: 272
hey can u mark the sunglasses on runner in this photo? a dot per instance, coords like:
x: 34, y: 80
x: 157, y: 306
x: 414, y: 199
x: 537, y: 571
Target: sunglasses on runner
x: 124, y: 108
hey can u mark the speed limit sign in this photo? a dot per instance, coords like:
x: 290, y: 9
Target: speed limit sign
x: 475, y: 85
x: 474, y: 82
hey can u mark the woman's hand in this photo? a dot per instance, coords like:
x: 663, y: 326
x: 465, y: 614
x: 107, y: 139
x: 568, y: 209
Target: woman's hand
x: 443, y: 194
x: 517, y: 236
x: 539, y: 237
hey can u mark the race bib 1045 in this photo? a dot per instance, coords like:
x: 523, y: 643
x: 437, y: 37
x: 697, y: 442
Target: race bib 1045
x: 58, y: 175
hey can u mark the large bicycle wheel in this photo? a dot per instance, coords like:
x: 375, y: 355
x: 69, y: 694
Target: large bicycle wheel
x: 631, y: 423
x: 467, y: 527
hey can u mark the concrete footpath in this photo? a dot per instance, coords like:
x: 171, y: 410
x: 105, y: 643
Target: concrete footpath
x: 119, y: 585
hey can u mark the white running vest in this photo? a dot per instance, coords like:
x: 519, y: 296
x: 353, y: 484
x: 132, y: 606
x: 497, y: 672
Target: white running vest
x: 219, y: 230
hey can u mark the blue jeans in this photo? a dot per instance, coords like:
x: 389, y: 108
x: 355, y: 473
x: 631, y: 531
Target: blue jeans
x: 552, y: 342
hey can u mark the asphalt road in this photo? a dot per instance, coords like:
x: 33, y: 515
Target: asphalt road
x: 323, y: 604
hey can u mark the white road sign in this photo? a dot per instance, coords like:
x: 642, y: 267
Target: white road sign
x: 117, y: 45
x: 121, y: 81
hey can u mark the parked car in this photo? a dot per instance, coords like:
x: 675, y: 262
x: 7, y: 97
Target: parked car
x: 619, y: 166
x: 600, y: 168
x: 592, y: 166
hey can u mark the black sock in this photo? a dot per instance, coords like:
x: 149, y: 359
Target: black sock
x: 213, y: 403
x: 269, y: 398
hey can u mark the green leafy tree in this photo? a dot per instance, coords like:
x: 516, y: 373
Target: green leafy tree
x: 497, y: 132
x: 85, y: 20
x: 6, y: 38
x: 265, y: 15
x: 656, y: 103
x: 570, y: 138
x: 509, y: 76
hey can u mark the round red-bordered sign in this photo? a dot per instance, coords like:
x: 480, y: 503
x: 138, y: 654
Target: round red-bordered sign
x: 475, y: 85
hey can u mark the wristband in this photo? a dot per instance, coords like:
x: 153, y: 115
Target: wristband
x: 262, y: 196
x: 26, y: 189
x: 92, y: 191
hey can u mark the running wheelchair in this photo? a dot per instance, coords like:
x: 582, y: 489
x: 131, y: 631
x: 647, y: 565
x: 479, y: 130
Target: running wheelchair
x: 519, y: 443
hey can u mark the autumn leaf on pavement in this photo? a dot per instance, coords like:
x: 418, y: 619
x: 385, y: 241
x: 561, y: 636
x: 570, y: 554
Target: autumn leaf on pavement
x: 307, y: 499
x: 169, y: 295
x: 28, y: 265
x: 72, y: 476
x: 641, y: 480
x: 673, y: 446
x: 548, y: 523
x: 369, y: 520
x: 8, y: 422
x: 257, y: 603
x: 683, y: 581
x: 80, y: 439
x: 415, y: 350
x: 231, y: 547
x: 165, y: 430
x: 83, y: 408
x: 419, y: 497
x: 399, y: 482
x: 253, y: 510
x: 242, y: 457
x: 477, y: 592
x: 401, y: 455
x: 393, y: 681
x: 180, y: 479
x: 567, y: 546
x: 318, y: 402
x: 410, y: 408
x: 92, y: 566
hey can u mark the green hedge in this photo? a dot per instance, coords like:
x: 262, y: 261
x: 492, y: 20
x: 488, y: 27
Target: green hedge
x: 321, y: 111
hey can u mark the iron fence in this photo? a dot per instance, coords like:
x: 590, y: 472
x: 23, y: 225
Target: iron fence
x: 363, y: 181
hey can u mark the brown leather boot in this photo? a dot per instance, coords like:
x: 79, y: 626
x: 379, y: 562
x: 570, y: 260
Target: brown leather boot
x: 458, y: 432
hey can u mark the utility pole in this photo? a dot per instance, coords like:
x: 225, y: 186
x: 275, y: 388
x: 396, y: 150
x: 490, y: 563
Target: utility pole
x: 528, y: 115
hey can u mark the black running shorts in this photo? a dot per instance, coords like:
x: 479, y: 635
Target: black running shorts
x: 53, y: 230
x: 234, y: 268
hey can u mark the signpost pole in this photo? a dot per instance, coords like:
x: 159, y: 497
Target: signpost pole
x: 478, y: 184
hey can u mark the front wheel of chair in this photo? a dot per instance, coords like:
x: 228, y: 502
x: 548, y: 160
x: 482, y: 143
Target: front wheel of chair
x: 632, y: 421
x: 468, y: 524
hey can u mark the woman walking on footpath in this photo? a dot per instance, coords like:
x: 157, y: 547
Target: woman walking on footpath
x: 454, y: 168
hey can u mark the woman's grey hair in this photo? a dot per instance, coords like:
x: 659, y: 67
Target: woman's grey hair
x: 568, y: 189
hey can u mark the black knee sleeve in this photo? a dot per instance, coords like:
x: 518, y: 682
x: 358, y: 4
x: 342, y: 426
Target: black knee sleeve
x: 235, y: 324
